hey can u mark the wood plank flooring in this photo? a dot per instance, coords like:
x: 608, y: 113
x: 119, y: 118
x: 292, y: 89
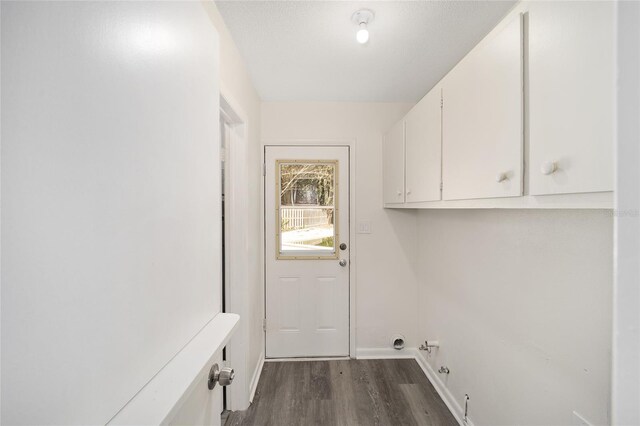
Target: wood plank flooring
x: 344, y: 392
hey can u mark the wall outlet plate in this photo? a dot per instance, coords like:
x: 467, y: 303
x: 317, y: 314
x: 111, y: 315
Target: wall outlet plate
x: 364, y: 227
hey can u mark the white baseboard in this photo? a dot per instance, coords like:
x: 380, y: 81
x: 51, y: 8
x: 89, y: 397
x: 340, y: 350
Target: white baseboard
x: 256, y: 377
x: 328, y: 358
x: 385, y: 353
x: 442, y: 390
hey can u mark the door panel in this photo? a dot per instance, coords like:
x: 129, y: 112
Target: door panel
x: 571, y: 46
x: 307, y: 218
x: 424, y: 149
x: 288, y: 304
x: 393, y: 165
x: 482, y: 120
x: 326, y: 291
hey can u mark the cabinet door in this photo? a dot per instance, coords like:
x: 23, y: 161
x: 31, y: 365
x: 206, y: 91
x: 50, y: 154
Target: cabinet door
x: 571, y: 92
x: 424, y: 149
x: 482, y: 119
x: 393, y: 164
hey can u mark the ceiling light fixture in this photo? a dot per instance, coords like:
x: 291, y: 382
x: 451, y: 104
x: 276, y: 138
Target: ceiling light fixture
x: 362, y: 18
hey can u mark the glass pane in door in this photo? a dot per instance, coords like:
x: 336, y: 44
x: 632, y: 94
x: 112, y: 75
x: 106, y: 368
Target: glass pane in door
x: 307, y: 209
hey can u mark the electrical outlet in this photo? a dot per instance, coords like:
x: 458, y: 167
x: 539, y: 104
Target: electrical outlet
x: 364, y: 227
x: 578, y: 420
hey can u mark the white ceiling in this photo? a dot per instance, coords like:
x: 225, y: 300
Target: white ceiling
x: 306, y: 50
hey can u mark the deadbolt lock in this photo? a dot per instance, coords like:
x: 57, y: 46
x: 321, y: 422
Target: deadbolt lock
x: 343, y: 246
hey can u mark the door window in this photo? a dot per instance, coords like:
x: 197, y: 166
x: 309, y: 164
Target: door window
x: 307, y: 209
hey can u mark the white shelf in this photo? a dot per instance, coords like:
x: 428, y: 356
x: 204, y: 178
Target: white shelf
x: 158, y: 401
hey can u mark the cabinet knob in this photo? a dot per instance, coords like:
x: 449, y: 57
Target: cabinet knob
x: 408, y: 192
x: 501, y: 177
x: 548, y: 167
x: 399, y: 193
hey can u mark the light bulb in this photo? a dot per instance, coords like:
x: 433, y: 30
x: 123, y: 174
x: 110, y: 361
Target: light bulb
x: 363, y: 34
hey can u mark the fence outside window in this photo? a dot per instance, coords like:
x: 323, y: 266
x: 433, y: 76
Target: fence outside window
x: 303, y: 217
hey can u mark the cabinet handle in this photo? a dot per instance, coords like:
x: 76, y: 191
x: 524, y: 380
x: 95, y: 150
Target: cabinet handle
x: 548, y: 168
x: 501, y: 177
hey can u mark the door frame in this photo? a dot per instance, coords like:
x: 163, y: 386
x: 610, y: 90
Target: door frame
x: 351, y: 145
x: 236, y: 248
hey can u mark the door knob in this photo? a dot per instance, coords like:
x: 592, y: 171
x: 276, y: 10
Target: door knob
x: 343, y: 262
x: 224, y: 377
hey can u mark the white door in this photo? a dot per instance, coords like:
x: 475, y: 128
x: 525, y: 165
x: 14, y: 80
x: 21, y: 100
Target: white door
x: 307, y: 251
x: 482, y: 138
x: 571, y: 46
x: 393, y: 164
x: 423, y: 145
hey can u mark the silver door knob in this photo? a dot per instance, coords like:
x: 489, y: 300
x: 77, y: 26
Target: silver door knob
x: 224, y: 377
x: 343, y: 262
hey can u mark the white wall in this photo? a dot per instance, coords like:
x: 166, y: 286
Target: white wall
x: 238, y: 89
x: 386, y: 290
x: 626, y: 339
x: 110, y: 192
x: 520, y: 301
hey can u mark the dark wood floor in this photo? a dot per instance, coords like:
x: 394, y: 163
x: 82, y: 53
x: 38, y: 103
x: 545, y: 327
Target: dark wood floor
x: 349, y: 392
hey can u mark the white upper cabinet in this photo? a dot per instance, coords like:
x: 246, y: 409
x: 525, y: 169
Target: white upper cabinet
x: 571, y: 96
x: 423, y: 146
x: 482, y: 119
x: 393, y: 165
x: 527, y: 119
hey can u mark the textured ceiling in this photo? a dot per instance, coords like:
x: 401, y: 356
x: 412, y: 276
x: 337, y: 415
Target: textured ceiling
x: 306, y: 50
